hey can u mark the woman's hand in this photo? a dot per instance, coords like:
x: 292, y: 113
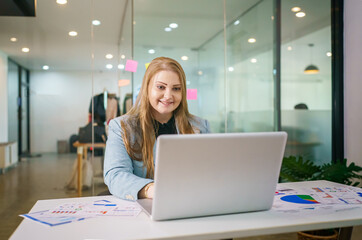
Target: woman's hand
x: 147, y: 191
x: 150, y: 190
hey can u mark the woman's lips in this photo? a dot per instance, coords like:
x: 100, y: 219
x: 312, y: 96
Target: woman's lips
x: 166, y: 103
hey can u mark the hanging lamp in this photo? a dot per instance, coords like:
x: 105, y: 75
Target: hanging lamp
x: 311, y: 69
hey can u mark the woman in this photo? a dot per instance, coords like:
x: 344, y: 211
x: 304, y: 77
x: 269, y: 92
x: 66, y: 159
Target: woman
x: 160, y: 108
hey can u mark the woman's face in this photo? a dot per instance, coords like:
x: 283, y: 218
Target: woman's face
x: 165, y: 95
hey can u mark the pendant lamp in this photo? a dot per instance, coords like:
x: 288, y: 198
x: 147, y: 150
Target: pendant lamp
x: 311, y: 69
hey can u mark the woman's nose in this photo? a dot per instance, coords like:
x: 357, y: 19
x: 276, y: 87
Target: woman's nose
x: 168, y: 94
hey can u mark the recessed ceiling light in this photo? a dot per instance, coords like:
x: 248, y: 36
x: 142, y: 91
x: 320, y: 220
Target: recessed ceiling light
x: 200, y: 72
x: 123, y: 56
x: 300, y: 14
x: 96, y: 22
x: 109, y: 56
x: 329, y: 54
x: 231, y: 69
x: 173, y: 25
x: 251, y: 40
x: 25, y: 49
x: 73, y: 33
x: 151, y: 51
x: 13, y: 39
x: 45, y: 67
x: 109, y: 66
x: 168, y: 29
x: 61, y: 2
x: 120, y: 66
x: 253, y: 60
x: 236, y: 22
x: 295, y: 9
x: 185, y: 58
x: 289, y: 48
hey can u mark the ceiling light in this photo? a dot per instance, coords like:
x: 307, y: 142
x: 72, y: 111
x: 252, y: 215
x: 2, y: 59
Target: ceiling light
x: 290, y: 48
x: 62, y: 2
x: 109, y: 56
x: 300, y: 14
x: 151, y: 51
x: 96, y: 22
x: 329, y: 54
x: 231, y: 69
x: 200, y: 72
x: 295, y: 9
x: 168, y: 29
x: 253, y: 60
x: 236, y: 22
x: 25, y: 49
x: 251, y: 40
x: 45, y: 67
x: 123, y: 56
x: 120, y: 66
x: 185, y: 58
x: 173, y: 25
x: 13, y: 39
x: 73, y: 33
x: 109, y: 66
x: 311, y: 69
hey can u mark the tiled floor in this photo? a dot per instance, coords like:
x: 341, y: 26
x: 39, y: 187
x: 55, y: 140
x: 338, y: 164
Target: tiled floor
x: 45, y: 178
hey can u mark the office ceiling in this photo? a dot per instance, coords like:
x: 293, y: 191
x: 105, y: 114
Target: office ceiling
x: 46, y: 35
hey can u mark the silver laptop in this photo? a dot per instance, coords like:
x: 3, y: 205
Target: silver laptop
x: 211, y: 174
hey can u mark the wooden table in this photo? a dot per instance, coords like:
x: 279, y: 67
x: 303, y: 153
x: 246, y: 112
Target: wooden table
x: 82, y: 149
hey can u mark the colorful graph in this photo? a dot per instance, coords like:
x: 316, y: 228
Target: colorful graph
x: 302, y: 199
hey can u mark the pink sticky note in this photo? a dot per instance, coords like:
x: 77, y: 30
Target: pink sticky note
x: 131, y: 66
x: 191, y: 94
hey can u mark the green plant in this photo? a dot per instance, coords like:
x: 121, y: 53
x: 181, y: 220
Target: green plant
x: 296, y: 169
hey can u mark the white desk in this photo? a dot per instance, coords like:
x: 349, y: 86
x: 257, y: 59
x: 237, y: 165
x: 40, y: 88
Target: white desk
x: 215, y: 227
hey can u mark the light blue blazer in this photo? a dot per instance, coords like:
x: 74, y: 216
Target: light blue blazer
x: 124, y: 176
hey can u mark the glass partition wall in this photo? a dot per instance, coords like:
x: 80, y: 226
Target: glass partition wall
x: 79, y: 51
x: 227, y: 49
x: 306, y: 93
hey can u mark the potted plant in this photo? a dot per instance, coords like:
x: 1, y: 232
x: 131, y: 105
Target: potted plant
x: 296, y: 169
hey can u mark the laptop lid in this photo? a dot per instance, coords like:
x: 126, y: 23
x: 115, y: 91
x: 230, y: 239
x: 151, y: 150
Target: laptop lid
x: 211, y: 174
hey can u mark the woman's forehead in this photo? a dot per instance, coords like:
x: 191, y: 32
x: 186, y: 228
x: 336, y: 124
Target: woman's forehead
x: 168, y: 77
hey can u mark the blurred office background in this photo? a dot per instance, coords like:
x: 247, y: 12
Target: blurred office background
x: 252, y: 65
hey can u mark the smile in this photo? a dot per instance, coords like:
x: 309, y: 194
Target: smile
x: 166, y: 103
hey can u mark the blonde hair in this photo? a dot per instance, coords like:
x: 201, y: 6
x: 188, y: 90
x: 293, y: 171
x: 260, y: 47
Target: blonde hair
x: 141, y: 125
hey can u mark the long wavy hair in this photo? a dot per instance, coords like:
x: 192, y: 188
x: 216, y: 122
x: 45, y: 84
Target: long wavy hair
x: 142, y: 127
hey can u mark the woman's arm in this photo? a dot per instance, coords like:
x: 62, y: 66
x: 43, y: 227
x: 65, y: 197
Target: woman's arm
x: 118, y: 168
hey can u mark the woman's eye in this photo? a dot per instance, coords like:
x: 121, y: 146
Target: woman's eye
x: 161, y: 87
x: 177, y: 88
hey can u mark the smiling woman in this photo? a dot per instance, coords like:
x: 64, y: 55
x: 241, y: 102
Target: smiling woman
x: 160, y: 108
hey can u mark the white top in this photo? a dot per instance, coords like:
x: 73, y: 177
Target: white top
x: 224, y: 226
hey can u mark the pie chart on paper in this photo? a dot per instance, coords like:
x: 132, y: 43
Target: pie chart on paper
x: 301, y: 199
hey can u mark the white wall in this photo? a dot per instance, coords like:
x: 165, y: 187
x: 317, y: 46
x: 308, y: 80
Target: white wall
x: 3, y: 97
x: 59, y: 104
x: 352, y: 80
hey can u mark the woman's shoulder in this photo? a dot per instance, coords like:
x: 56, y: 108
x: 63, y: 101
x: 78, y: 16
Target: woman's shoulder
x: 199, y: 123
x: 127, y: 121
